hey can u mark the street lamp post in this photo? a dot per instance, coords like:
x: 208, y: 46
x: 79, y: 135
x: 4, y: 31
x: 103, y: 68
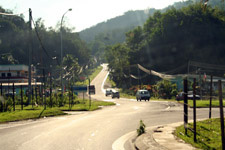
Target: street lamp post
x: 62, y: 49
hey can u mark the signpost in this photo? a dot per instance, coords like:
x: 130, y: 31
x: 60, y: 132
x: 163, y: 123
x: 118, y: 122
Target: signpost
x: 80, y: 89
x: 91, y: 89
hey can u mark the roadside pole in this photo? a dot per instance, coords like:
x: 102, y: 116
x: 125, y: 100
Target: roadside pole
x: 221, y: 115
x: 30, y: 56
x: 21, y: 94
x: 185, y: 106
x: 194, y: 109
x: 72, y: 95
x: 69, y: 94
x: 210, y: 101
x: 32, y: 98
x: 1, y: 89
x: 44, y: 89
x: 139, y: 78
x: 51, y: 90
x: 89, y: 93
x: 14, y: 98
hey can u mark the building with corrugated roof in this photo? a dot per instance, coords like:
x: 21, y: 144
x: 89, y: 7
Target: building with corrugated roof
x: 15, y: 73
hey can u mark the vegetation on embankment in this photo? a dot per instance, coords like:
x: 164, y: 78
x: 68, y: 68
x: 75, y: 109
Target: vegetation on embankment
x: 208, y: 134
x: 93, y: 73
x: 86, y: 105
x: 39, y: 112
x: 203, y: 103
x: 29, y: 113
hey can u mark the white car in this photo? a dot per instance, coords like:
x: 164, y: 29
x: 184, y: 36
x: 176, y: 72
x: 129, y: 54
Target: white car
x: 108, y: 92
x: 143, y: 95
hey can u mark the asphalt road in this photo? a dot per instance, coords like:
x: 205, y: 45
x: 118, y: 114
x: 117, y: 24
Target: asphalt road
x: 105, y: 129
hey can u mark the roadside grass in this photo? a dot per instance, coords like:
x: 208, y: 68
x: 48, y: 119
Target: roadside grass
x: 94, y: 73
x: 203, y: 103
x: 112, y: 83
x: 125, y: 95
x: 86, y: 105
x: 39, y: 112
x: 29, y: 113
x: 208, y: 134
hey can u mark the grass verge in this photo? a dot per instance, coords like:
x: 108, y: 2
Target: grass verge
x: 39, y: 112
x: 208, y: 134
x: 125, y: 95
x: 203, y: 103
x: 93, y: 73
x: 86, y: 105
x: 29, y: 113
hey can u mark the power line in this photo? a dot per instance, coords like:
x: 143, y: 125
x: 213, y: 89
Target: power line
x: 40, y: 41
x: 207, y: 66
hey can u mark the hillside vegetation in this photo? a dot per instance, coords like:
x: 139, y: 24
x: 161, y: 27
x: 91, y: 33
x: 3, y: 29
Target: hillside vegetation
x: 15, y: 41
x: 169, y: 40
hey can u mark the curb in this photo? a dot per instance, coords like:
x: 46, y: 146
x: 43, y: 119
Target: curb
x: 161, y: 138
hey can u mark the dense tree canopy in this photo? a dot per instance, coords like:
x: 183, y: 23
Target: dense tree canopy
x: 45, y: 43
x: 171, y: 39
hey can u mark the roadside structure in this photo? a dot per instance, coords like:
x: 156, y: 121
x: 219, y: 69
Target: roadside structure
x: 15, y: 73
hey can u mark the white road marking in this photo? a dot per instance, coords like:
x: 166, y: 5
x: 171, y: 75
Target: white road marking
x: 109, y: 100
x: 102, y: 87
x: 133, y: 100
x: 117, y: 104
x: 136, y: 108
x: 168, y: 108
x: 93, y: 134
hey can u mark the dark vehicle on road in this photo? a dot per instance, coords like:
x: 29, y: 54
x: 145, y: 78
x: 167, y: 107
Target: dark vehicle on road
x: 190, y: 95
x: 143, y: 95
x: 115, y: 94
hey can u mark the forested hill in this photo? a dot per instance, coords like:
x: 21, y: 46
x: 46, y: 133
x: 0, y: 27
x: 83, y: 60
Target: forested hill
x: 124, y: 23
x: 168, y: 41
x: 113, y: 30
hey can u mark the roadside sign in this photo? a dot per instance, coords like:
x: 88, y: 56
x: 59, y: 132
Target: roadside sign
x: 80, y: 88
x: 82, y: 78
x: 91, y: 89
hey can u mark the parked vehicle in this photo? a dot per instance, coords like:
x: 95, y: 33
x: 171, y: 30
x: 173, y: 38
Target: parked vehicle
x: 115, y: 94
x: 143, y: 95
x: 190, y: 95
x: 10, y: 94
x: 108, y: 92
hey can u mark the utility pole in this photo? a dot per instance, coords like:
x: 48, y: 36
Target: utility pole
x: 30, y: 55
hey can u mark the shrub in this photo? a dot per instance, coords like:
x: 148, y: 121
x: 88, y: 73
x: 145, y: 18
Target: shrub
x: 165, y: 89
x: 141, y: 128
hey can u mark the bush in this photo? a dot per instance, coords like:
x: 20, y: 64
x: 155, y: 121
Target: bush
x: 165, y: 89
x: 141, y: 129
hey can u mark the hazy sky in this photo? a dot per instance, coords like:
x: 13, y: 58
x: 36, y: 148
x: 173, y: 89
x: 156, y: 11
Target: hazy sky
x: 84, y: 14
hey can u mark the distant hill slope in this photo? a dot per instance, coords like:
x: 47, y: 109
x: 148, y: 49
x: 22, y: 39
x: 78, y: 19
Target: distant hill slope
x: 114, y: 29
x: 124, y: 23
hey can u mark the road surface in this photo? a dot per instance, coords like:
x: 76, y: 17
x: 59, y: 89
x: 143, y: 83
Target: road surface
x: 103, y: 129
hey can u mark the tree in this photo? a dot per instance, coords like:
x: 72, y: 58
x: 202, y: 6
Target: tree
x: 166, y: 89
x: 117, y: 58
x: 71, y: 67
